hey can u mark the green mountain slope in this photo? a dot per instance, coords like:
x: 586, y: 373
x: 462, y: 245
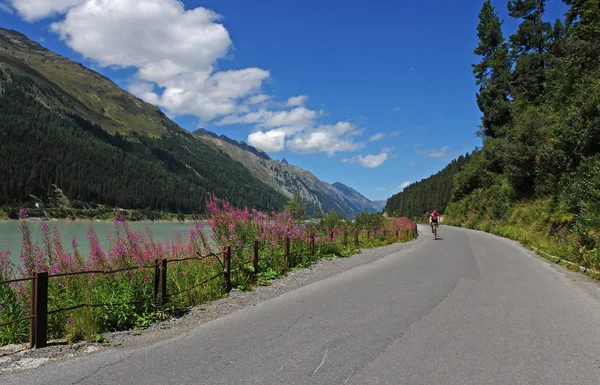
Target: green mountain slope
x: 63, y: 124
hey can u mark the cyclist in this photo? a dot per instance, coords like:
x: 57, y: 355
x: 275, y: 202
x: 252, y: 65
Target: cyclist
x: 434, y: 219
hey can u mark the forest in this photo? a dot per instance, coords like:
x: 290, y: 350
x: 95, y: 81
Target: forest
x: 42, y: 151
x: 434, y: 192
x: 536, y: 178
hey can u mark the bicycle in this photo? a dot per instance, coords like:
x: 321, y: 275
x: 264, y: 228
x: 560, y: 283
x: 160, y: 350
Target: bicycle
x: 435, y: 228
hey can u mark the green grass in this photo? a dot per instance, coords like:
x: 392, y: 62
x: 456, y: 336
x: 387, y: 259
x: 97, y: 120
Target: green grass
x: 538, y: 224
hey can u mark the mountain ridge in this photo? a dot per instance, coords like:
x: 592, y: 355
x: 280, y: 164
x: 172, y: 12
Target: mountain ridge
x: 289, y: 179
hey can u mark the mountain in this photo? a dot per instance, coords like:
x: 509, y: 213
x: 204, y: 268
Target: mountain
x: 353, y: 195
x: 289, y: 179
x: 63, y: 124
x: 380, y: 204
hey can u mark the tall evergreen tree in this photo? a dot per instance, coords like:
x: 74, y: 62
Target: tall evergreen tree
x: 492, y: 73
x: 530, y: 49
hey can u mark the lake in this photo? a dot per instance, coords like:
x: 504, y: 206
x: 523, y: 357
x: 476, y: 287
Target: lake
x: 10, y: 233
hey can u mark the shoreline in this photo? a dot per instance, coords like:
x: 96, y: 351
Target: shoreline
x: 39, y: 219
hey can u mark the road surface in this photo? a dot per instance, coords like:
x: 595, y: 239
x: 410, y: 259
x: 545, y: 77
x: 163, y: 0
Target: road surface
x: 471, y: 308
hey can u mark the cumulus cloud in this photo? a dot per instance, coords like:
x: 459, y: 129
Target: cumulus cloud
x: 270, y: 141
x: 258, y: 99
x: 368, y: 161
x: 440, y: 153
x: 377, y: 137
x: 296, y: 101
x: 297, y: 117
x: 327, y: 138
x: 32, y: 10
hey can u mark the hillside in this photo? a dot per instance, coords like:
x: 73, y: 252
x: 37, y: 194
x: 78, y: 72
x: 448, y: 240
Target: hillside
x: 289, y: 179
x: 64, y: 124
x: 430, y: 193
x: 356, y: 197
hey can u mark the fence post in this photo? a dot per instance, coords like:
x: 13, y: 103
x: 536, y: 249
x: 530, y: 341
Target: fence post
x: 331, y: 236
x: 41, y: 310
x: 368, y: 234
x: 397, y: 235
x: 312, y: 244
x: 156, y: 279
x: 384, y: 234
x: 345, y: 238
x: 163, y: 280
x: 286, y: 251
x: 32, y: 310
x: 356, y: 238
x: 226, y: 272
x: 255, y: 257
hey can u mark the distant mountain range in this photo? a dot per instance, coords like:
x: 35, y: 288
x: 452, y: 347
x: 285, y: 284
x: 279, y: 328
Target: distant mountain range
x: 63, y: 124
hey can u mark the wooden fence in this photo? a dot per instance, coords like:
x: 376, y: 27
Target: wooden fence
x: 38, y: 315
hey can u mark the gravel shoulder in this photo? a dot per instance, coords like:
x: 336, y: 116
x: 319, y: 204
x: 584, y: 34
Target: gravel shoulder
x: 19, y: 357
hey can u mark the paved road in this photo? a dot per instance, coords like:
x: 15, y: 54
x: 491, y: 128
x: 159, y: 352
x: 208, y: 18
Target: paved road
x: 469, y: 309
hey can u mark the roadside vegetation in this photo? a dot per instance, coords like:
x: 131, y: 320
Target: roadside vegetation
x: 85, y: 306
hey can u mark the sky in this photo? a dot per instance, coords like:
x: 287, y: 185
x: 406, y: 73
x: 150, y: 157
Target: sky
x: 375, y: 95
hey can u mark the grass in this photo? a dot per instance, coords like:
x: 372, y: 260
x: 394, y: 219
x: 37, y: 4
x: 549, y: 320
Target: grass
x: 86, y: 93
x: 537, y: 224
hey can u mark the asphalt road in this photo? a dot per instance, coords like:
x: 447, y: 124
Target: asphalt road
x: 468, y: 309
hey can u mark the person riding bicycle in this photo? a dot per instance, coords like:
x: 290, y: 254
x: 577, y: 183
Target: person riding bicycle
x: 434, y: 220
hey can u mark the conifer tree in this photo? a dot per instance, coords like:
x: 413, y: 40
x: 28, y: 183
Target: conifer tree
x: 492, y: 73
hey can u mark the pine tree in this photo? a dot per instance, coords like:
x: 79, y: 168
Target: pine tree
x: 492, y: 73
x: 530, y: 49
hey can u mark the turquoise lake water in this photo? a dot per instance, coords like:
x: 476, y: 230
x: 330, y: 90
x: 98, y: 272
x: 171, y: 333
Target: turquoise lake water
x: 10, y: 233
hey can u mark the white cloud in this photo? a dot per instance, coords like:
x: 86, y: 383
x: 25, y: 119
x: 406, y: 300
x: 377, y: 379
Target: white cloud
x: 368, y: 161
x: 270, y: 141
x: 296, y: 101
x: 297, y: 117
x: 404, y: 185
x: 434, y: 153
x: 377, y: 137
x: 258, y: 99
x: 397, y: 109
x: 395, y: 133
x: 32, y: 10
x: 328, y: 139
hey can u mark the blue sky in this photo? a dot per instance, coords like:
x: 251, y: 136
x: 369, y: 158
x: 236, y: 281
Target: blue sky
x: 372, y: 94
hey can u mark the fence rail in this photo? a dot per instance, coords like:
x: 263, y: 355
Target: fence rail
x: 38, y: 336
